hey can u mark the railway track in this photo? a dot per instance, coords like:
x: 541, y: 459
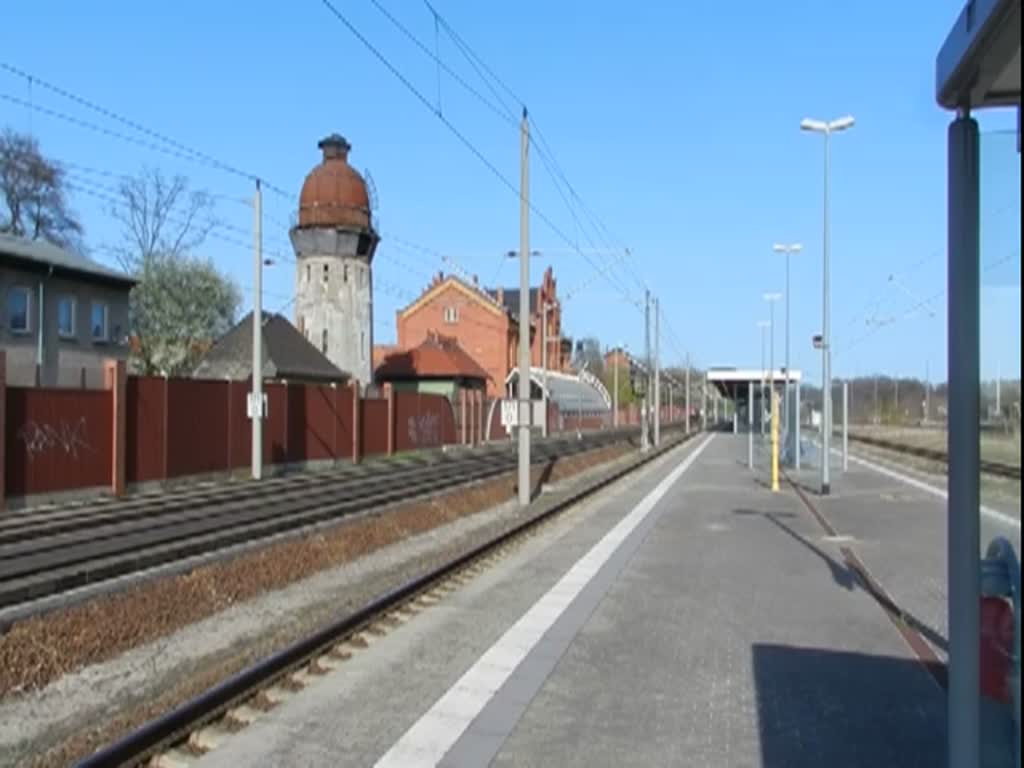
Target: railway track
x: 998, y: 468
x: 190, y: 729
x: 52, y: 552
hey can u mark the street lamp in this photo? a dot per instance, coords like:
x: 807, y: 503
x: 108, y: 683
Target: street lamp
x: 789, y: 249
x: 827, y: 129
x: 771, y: 298
x: 763, y: 325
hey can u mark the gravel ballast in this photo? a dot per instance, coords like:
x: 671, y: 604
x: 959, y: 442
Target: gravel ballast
x: 73, y: 679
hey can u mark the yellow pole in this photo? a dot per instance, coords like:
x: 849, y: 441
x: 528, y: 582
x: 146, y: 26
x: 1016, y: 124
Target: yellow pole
x: 775, y: 442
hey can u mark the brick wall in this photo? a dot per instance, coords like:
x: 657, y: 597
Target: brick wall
x: 480, y: 329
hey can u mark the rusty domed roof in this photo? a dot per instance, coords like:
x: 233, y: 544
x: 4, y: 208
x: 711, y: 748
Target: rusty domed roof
x: 334, y: 195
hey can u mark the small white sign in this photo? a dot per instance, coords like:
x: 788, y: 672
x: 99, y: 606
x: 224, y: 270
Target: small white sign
x: 514, y: 413
x: 250, y: 409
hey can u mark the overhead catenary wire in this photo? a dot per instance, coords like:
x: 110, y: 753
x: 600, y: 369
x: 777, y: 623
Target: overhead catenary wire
x: 452, y: 127
x: 499, y: 111
x: 103, y: 194
x: 876, y: 327
x: 181, y: 148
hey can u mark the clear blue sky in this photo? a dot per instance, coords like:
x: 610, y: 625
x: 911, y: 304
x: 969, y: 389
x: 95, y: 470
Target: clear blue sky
x: 677, y: 123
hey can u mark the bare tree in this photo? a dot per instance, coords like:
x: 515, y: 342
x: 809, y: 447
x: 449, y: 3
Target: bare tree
x: 181, y: 302
x: 34, y: 196
x: 160, y: 217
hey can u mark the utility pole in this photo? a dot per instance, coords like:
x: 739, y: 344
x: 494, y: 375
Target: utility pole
x: 687, y: 393
x: 615, y: 390
x: 670, y: 413
x: 999, y: 389
x: 525, y: 415
x: 544, y: 364
x: 657, y: 372
x: 878, y: 416
x: 927, y: 393
x: 846, y: 425
x: 750, y: 425
x: 704, y: 405
x: 256, y: 396
x: 645, y: 416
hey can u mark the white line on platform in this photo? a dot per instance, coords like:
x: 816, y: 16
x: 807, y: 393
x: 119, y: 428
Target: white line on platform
x: 430, y: 738
x: 993, y: 514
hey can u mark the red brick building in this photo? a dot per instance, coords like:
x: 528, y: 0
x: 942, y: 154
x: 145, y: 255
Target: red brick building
x: 484, y: 323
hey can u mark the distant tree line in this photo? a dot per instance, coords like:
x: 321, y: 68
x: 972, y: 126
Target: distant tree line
x: 904, y: 401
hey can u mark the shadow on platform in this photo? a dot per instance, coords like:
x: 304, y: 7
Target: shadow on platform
x: 848, y: 578
x: 819, y: 707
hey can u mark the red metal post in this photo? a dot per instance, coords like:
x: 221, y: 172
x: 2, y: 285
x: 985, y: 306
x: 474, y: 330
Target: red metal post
x: 230, y: 466
x: 165, y: 412
x: 337, y: 418
x: 462, y: 415
x: 389, y: 395
x: 116, y: 376
x: 357, y: 427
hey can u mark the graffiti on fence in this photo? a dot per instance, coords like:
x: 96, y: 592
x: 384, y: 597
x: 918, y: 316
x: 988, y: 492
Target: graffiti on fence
x: 425, y: 430
x: 69, y: 437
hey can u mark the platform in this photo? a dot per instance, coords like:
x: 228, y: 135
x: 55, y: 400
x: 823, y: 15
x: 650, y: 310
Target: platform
x: 689, y: 617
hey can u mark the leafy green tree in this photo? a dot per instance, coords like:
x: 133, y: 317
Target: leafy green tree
x: 180, y: 305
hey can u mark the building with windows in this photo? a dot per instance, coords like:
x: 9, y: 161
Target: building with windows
x: 334, y: 243
x: 484, y: 323
x: 63, y: 314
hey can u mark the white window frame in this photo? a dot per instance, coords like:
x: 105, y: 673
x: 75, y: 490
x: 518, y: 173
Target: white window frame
x: 27, y: 292
x: 73, y: 301
x: 451, y: 315
x: 104, y: 338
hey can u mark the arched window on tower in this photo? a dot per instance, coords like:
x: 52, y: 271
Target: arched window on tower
x: 344, y: 273
x: 323, y: 341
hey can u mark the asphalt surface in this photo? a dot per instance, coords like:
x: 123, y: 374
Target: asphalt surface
x: 687, y: 616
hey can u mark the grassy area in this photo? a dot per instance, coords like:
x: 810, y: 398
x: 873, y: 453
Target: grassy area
x: 995, y: 446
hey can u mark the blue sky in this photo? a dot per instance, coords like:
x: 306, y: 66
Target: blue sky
x: 677, y: 124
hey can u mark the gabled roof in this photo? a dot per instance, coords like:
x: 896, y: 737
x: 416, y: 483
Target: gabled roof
x: 435, y: 358
x: 287, y: 354
x: 510, y: 299
x: 442, y: 283
x: 40, y: 253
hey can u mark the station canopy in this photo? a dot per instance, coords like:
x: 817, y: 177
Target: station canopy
x: 979, y: 64
x: 734, y: 383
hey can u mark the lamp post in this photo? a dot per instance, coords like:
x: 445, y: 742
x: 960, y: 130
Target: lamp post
x: 763, y: 325
x: 789, y: 249
x: 826, y: 129
x: 771, y: 298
